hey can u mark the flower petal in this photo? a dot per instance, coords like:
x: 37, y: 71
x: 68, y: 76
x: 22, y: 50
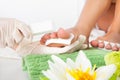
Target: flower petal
x: 58, y: 61
x: 50, y: 75
x: 59, y: 71
x: 82, y: 61
x: 70, y: 63
x: 69, y: 77
x: 105, y: 72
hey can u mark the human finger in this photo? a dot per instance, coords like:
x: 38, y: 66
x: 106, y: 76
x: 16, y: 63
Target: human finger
x: 63, y: 34
x: 44, y: 38
x: 24, y: 29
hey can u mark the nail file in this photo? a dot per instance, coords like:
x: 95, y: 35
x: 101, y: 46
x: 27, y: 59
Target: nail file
x: 60, y: 40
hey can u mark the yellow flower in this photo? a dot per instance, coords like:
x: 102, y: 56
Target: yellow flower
x: 78, y: 74
x: 81, y: 69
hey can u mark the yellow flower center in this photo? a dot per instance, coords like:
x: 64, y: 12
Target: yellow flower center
x: 78, y: 74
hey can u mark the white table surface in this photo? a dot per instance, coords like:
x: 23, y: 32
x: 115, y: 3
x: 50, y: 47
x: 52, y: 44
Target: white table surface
x: 11, y: 66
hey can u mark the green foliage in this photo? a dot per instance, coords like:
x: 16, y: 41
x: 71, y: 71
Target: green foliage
x: 114, y: 58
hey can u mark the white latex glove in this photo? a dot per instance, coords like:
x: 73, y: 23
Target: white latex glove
x: 13, y: 32
x: 37, y: 48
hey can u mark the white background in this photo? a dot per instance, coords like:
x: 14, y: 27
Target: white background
x: 63, y: 13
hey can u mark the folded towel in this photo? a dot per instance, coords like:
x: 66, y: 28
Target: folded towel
x: 35, y: 63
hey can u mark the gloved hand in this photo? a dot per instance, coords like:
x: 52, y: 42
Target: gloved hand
x: 13, y: 32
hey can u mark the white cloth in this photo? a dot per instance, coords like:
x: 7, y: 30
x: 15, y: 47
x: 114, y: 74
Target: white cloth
x: 95, y: 33
x: 13, y: 32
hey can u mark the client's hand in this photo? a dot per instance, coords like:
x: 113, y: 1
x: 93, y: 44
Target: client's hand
x: 13, y: 32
